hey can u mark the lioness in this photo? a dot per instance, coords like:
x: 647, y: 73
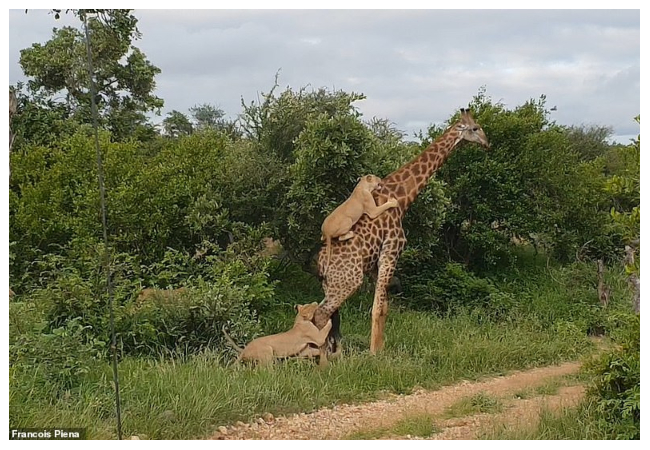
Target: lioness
x: 294, y: 342
x: 360, y: 202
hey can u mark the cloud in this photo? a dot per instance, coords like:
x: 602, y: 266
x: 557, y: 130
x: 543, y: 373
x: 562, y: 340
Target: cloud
x: 415, y: 66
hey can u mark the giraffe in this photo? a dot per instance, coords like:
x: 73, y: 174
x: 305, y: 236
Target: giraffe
x: 378, y: 243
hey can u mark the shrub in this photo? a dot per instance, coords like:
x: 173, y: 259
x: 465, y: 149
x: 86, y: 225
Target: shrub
x: 192, y: 321
x: 617, y: 390
x: 59, y: 357
x: 530, y: 182
x: 175, y: 194
x: 229, y: 286
x: 448, y: 289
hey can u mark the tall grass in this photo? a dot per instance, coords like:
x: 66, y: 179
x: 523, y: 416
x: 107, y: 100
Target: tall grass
x: 581, y: 423
x: 191, y: 397
x: 187, y: 399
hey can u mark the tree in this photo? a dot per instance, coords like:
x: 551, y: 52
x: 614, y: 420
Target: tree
x: 177, y: 124
x: 13, y: 105
x: 625, y: 188
x: 590, y: 142
x: 124, y: 78
x: 39, y: 119
x: 276, y: 122
x: 207, y: 116
x: 530, y: 185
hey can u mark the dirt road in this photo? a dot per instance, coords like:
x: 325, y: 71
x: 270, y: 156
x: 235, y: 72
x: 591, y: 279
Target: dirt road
x: 516, y: 399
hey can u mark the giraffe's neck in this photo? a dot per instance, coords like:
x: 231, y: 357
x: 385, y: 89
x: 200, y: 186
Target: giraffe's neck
x: 408, y: 181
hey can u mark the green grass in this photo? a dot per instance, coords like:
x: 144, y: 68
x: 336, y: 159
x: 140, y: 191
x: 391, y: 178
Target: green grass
x: 581, y: 423
x: 203, y: 393
x: 480, y: 403
x: 551, y: 387
x: 419, y: 425
x: 190, y: 398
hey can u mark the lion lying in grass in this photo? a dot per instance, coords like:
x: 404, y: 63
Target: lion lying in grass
x: 295, y: 342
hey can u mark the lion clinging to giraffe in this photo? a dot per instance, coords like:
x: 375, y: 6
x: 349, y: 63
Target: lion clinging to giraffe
x: 379, y: 242
x: 343, y: 218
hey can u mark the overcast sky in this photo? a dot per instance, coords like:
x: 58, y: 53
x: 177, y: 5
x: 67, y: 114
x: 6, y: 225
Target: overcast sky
x: 416, y: 67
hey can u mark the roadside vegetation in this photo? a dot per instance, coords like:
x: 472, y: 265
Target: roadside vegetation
x: 499, y: 272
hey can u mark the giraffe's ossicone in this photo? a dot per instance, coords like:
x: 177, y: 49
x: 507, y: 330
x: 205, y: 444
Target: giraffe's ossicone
x: 377, y: 243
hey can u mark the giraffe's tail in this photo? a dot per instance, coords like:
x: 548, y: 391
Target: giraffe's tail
x: 334, y: 337
x: 328, y: 244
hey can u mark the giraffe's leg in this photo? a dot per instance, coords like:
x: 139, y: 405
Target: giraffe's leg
x: 342, y: 281
x: 386, y: 265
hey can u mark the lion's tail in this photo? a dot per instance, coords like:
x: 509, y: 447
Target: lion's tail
x: 230, y: 341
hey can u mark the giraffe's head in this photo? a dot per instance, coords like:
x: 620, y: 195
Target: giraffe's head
x: 469, y: 130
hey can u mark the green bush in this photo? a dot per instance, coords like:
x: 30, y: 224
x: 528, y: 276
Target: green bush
x: 329, y: 157
x: 617, y: 389
x: 230, y: 286
x: 58, y: 358
x: 192, y: 321
x: 73, y: 286
x: 531, y: 181
x: 449, y: 289
x: 169, y: 195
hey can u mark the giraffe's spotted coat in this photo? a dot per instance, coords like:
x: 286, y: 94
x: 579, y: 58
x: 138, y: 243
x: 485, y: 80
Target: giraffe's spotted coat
x: 377, y: 244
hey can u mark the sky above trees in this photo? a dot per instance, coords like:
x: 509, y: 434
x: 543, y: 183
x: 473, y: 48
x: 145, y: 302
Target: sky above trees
x: 415, y: 67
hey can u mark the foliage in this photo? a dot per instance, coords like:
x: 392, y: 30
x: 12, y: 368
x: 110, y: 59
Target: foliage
x: 590, y: 142
x: 530, y: 183
x: 276, y: 122
x: 173, y: 199
x: 39, y: 120
x: 224, y: 288
x: 61, y: 356
x: 617, y: 389
x: 123, y: 76
x: 207, y: 116
x: 451, y: 288
x: 210, y: 117
x: 176, y: 124
x: 192, y: 321
x: 625, y: 188
x: 329, y: 158
x: 53, y: 198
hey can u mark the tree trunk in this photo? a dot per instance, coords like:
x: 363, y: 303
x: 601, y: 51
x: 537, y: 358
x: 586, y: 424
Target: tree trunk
x: 603, y: 290
x: 633, y: 279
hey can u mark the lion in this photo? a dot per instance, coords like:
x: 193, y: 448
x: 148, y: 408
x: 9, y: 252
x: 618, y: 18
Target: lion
x: 340, y: 221
x: 295, y: 342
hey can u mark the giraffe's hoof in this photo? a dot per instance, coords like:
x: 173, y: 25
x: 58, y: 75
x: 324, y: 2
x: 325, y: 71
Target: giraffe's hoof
x: 337, y: 353
x: 333, y: 346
